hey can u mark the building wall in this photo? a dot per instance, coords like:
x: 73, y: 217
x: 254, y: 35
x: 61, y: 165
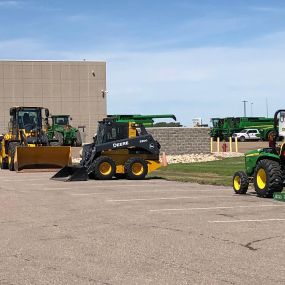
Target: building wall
x: 65, y: 87
x: 182, y: 140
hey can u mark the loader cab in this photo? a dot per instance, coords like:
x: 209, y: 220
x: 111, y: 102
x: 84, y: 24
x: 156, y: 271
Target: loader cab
x: 25, y: 118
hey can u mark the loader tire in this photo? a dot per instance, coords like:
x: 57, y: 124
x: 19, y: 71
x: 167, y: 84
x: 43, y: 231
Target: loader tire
x: 104, y: 168
x: 78, y: 140
x: 4, y: 163
x: 267, y: 178
x: 136, y: 168
x: 240, y: 182
x: 11, y: 155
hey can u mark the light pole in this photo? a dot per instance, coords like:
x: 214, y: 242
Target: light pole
x: 244, y: 107
x: 251, y: 104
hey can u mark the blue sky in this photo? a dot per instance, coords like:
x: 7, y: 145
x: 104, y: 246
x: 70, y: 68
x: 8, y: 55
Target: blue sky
x: 190, y: 58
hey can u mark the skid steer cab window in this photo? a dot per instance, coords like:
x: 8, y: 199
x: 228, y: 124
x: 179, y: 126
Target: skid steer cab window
x: 108, y: 133
x: 29, y: 119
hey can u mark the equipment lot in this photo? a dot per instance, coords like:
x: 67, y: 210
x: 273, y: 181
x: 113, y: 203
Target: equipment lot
x: 136, y: 232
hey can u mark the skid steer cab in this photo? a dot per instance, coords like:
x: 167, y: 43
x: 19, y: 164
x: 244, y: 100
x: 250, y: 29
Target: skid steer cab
x: 26, y: 145
x: 120, y: 149
x: 265, y: 168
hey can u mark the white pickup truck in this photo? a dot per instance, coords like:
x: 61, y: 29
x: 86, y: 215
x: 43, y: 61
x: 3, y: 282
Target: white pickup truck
x: 247, y: 134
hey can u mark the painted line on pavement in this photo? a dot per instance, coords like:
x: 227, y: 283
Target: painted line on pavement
x: 245, y: 221
x: 214, y: 208
x: 135, y: 191
x: 167, y: 198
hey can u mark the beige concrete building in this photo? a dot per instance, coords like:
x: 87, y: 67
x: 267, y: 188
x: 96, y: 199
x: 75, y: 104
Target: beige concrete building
x: 77, y: 88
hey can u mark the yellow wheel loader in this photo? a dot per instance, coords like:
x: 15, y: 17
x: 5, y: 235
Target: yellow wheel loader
x: 26, y: 145
x: 120, y: 149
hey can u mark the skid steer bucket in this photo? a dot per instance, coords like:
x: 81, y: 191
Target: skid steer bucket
x: 42, y: 157
x: 71, y: 173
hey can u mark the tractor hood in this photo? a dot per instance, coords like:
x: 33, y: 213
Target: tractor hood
x: 253, y: 156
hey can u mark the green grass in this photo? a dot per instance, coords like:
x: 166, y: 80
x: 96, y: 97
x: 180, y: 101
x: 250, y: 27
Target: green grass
x: 219, y: 172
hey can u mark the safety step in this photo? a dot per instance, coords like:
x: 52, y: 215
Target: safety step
x: 279, y: 196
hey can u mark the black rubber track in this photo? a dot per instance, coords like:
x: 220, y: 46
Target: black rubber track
x: 274, y: 180
x: 243, y: 182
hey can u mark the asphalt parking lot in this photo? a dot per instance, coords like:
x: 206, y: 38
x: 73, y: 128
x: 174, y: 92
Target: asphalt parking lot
x: 136, y: 232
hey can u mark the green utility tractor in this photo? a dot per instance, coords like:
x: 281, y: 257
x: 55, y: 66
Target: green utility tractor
x: 63, y: 132
x: 265, y: 167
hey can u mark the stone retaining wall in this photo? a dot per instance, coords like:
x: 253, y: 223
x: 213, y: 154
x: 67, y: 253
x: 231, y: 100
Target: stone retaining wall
x: 182, y: 140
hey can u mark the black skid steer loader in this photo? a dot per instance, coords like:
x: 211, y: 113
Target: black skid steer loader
x: 120, y: 149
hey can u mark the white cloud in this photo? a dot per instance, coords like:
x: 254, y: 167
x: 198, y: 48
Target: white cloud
x: 10, y: 3
x: 268, y: 9
x: 194, y: 82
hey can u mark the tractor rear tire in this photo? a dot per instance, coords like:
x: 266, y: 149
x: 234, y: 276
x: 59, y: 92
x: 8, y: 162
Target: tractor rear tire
x: 104, y: 168
x: 78, y: 140
x: 240, y: 182
x: 267, y: 178
x: 136, y: 168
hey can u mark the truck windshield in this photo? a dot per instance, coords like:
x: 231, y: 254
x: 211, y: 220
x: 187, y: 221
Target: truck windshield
x: 243, y: 131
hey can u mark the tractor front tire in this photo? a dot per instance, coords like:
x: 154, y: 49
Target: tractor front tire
x: 136, y: 168
x: 59, y: 137
x: 240, y: 182
x: 104, y: 168
x: 267, y: 178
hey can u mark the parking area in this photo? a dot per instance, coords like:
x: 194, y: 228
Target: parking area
x: 136, y: 232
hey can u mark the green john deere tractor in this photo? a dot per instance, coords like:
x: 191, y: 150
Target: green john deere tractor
x: 61, y: 131
x: 265, y: 167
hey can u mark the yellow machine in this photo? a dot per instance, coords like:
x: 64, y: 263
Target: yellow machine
x: 26, y: 145
x: 120, y: 149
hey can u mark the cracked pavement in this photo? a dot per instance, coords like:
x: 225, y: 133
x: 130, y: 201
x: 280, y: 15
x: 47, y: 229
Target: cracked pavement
x: 136, y: 232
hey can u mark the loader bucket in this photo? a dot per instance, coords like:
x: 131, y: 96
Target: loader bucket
x: 71, y: 173
x: 42, y: 157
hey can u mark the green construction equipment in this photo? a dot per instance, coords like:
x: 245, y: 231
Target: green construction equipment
x: 146, y: 120
x: 62, y: 131
x: 223, y: 128
x: 265, y: 167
